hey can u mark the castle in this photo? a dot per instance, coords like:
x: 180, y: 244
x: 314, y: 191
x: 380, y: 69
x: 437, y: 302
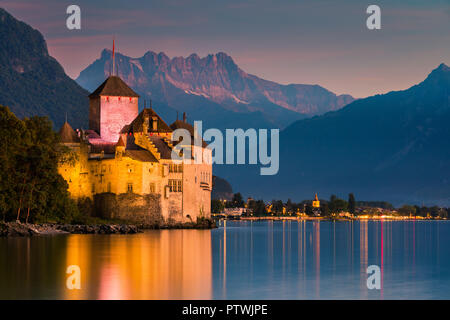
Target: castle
x: 124, y: 165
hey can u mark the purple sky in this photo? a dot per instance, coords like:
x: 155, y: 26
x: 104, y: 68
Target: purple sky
x: 322, y: 42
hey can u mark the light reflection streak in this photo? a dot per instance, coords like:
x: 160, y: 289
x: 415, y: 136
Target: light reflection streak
x: 364, y: 255
x: 317, y: 255
x: 382, y: 258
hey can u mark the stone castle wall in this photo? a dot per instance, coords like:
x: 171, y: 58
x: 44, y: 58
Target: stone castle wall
x: 130, y: 207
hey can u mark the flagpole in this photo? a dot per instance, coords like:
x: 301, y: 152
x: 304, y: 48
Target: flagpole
x: 113, y: 58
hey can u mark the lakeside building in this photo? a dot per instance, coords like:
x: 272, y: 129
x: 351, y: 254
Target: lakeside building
x: 316, y: 202
x: 124, y: 163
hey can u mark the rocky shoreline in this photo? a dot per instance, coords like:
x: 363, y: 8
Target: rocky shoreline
x: 16, y: 229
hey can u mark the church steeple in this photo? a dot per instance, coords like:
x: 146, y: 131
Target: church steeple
x: 316, y: 202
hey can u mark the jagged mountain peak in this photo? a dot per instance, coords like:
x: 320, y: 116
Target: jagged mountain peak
x: 216, y: 78
x: 438, y: 79
x: 443, y: 67
x: 441, y: 71
x: 219, y: 57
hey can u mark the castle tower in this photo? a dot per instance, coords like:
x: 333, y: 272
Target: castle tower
x: 120, y: 148
x: 112, y: 106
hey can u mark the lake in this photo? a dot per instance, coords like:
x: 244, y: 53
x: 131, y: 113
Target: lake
x: 241, y: 260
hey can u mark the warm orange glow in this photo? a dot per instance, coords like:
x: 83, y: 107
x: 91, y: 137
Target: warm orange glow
x: 175, y: 264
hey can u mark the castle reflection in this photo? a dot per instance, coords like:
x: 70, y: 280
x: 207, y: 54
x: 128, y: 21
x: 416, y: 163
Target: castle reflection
x: 163, y: 264
x: 175, y: 264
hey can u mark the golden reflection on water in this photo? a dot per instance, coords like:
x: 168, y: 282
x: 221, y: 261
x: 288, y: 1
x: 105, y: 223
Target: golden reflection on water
x: 175, y: 264
x: 363, y: 255
x: 317, y: 255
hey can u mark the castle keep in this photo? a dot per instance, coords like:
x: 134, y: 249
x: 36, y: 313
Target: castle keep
x: 124, y: 162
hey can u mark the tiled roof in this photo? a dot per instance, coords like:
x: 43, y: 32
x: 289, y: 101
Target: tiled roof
x: 164, y: 150
x: 141, y: 155
x: 137, y: 124
x: 114, y: 86
x: 179, y: 124
x: 107, y: 147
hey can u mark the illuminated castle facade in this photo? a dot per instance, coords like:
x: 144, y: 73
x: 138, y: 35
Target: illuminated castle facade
x: 124, y: 162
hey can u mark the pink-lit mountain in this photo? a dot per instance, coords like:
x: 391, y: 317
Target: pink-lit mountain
x: 214, y: 87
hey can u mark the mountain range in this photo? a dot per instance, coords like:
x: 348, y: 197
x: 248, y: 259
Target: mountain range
x: 390, y: 147
x: 213, y: 89
x: 34, y: 83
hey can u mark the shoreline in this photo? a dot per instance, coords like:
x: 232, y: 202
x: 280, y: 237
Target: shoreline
x: 289, y: 218
x: 17, y: 229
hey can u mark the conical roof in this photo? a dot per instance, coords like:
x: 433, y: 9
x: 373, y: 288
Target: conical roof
x: 68, y: 135
x: 113, y: 86
x: 120, y: 143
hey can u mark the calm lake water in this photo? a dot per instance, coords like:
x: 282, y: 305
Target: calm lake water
x: 244, y: 260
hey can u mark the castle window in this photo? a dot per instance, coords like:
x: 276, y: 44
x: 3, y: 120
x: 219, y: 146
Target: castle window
x: 175, y: 168
x: 175, y: 185
x: 130, y: 187
x: 93, y: 188
x: 152, y: 187
x: 165, y: 170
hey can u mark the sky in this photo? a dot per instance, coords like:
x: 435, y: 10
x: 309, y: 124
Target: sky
x: 323, y: 42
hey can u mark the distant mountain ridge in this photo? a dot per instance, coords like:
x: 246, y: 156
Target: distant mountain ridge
x: 213, y: 83
x: 391, y: 147
x: 34, y: 83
